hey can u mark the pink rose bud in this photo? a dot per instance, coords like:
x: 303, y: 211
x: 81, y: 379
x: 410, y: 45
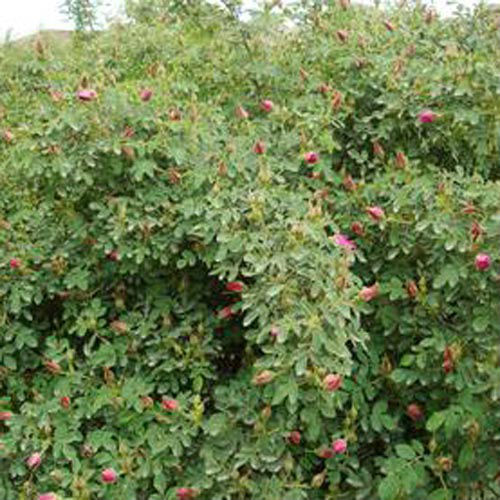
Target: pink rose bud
x: 34, y: 461
x: 349, y: 183
x: 339, y: 446
x: 401, y: 160
x: 311, y: 158
x: 376, y: 213
x: 369, y: 292
x: 323, y: 88
x: 344, y: 241
x: 427, y: 116
x: 389, y: 25
x: 259, y: 148
x: 5, y: 415
x: 294, y: 437
x: 65, y: 402
x: 275, y: 331
x: 128, y: 132
x: 8, y: 136
x: 235, y: 286
x: 378, y: 150
x: 146, y: 95
x: 342, y: 35
x: 225, y: 312
x: 482, y: 262
x: 113, y: 255
x: 337, y: 100
x: 411, y: 289
x: 186, y: 493
x: 15, y: 263
x: 241, y: 112
x: 87, y: 95
x: 263, y: 377
x: 266, y: 105
x: 414, y: 412
x: 47, y: 496
x: 476, y: 230
x: 170, y: 404
x: 332, y: 382
x: 109, y: 476
x: 53, y: 367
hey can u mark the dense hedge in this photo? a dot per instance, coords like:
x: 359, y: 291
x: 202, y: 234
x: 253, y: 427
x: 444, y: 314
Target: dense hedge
x: 252, y: 260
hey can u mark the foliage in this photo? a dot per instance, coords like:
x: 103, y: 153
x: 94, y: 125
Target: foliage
x: 177, y: 303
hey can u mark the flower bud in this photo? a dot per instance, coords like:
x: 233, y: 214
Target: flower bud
x: 263, y: 377
x: 332, y: 382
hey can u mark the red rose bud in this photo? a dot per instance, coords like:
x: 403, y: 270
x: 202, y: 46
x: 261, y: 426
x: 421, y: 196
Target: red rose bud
x: 476, y: 231
x: 241, y: 112
x: 15, y: 263
x: 414, y: 412
x: 5, y: 415
x: 235, y: 286
x: 294, y: 437
x: 349, y: 183
x: 266, y: 105
x: 378, y: 150
x: 325, y: 453
x: 401, y: 160
x: 146, y: 95
x: 128, y: 132
x: 53, y: 367
x: 109, y: 476
x: 225, y: 313
x: 389, y: 25
x: 369, y: 292
x: 357, y: 228
x: 8, y: 136
x: 263, y: 377
x: 339, y: 446
x: 186, y: 493
x: 259, y: 148
x: 34, y: 461
x: 332, y: 382
x: 448, y: 360
x: 65, y: 402
x: 87, y: 95
x: 482, y: 261
x: 411, y: 289
x: 469, y: 209
x: 342, y: 35
x: 311, y: 158
x: 427, y: 116
x: 323, y: 88
x: 336, y: 100
x: 170, y: 404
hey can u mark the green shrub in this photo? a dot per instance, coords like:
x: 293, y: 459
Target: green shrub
x: 192, y: 299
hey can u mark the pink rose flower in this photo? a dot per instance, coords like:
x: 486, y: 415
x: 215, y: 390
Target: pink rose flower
x: 241, y: 112
x: 185, y: 493
x: 235, y: 286
x: 34, y: 461
x: 267, y: 105
x: 339, y: 446
x: 376, y: 213
x: 294, y: 437
x: 344, y: 241
x: 146, y: 95
x: 47, y: 496
x: 259, y: 148
x: 311, y: 158
x: 109, y: 476
x: 170, y: 404
x: 369, y: 292
x: 87, y: 95
x: 5, y: 415
x: 482, y: 262
x: 427, y: 116
x: 332, y: 382
x: 15, y: 263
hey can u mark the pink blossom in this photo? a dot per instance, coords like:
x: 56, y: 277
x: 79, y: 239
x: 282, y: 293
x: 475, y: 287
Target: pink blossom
x: 185, y: 493
x: 241, y: 112
x: 15, y: 263
x: 34, y: 461
x: 376, y: 213
x: 235, y: 286
x: 87, y: 95
x: 47, y: 496
x: 344, y: 241
x: 266, y: 105
x: 339, y: 446
x: 332, y: 382
x: 311, y: 157
x: 170, y: 404
x: 5, y: 415
x: 109, y: 476
x: 427, y: 116
x: 146, y: 95
x: 482, y: 262
x: 259, y: 148
x: 369, y: 292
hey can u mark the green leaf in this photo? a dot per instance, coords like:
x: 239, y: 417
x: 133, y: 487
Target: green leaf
x: 388, y: 488
x: 440, y: 494
x: 435, y: 421
x: 405, y: 451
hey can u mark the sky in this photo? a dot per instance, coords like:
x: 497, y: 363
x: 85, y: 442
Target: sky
x: 24, y: 17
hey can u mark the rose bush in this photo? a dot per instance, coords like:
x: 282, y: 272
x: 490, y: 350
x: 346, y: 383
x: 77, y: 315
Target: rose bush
x: 244, y: 261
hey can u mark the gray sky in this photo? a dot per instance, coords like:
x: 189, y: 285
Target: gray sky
x: 24, y: 17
